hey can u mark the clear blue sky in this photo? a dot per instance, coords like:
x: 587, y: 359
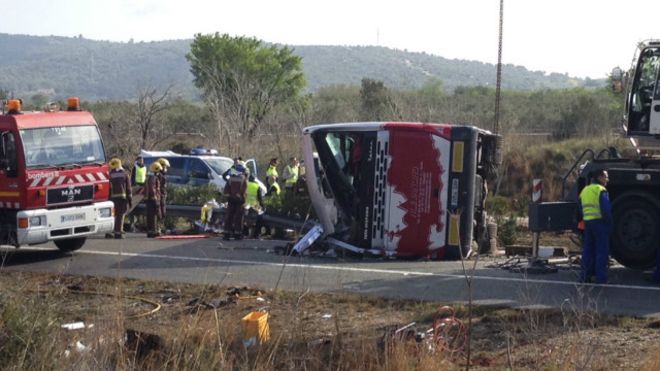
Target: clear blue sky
x: 579, y: 37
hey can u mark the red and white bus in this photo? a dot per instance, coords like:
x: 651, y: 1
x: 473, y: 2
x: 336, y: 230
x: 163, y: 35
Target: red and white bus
x: 401, y: 189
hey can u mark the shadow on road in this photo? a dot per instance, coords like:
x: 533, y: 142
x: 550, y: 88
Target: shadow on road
x: 16, y: 257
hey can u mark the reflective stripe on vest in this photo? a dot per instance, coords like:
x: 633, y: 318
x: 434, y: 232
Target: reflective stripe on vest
x: 293, y: 176
x: 140, y: 174
x: 251, y: 198
x: 590, y: 200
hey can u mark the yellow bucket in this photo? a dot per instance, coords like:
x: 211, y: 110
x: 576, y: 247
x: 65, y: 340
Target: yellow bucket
x: 255, y: 328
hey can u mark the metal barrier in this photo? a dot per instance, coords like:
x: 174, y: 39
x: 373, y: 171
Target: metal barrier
x: 193, y: 212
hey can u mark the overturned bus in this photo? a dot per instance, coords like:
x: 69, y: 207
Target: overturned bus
x: 401, y: 189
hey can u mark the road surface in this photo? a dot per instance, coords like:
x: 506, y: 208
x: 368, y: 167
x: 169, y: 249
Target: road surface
x: 254, y: 263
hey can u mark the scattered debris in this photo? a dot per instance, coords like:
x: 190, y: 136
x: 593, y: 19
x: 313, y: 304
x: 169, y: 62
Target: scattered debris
x: 73, y: 326
x: 170, y: 298
x: 447, y: 335
x: 256, y: 330
x: 81, y: 348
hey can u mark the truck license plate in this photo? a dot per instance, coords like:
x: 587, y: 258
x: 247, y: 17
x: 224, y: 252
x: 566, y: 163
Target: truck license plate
x: 72, y: 218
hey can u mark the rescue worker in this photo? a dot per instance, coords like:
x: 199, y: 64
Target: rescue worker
x: 274, y: 189
x: 271, y: 173
x: 597, y: 216
x: 165, y: 164
x: 290, y: 175
x: 206, y: 218
x: 139, y: 172
x: 656, y: 275
x: 152, y: 199
x: 235, y: 190
x: 232, y: 170
x: 120, y: 194
x: 255, y: 205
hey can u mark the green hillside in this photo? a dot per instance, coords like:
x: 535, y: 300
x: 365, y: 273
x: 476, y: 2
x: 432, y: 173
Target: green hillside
x: 100, y: 70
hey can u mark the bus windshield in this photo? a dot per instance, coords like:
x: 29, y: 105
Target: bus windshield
x: 62, y: 146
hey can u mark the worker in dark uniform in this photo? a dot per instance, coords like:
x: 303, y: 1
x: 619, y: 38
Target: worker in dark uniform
x: 597, y: 215
x: 235, y: 191
x: 120, y: 194
x: 656, y: 276
x: 152, y: 199
x: 165, y: 164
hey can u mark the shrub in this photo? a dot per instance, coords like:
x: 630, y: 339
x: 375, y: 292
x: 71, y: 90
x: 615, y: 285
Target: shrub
x: 507, y: 232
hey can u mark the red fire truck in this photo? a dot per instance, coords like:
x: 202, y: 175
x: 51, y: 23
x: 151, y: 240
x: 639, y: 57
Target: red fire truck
x: 53, y: 177
x: 401, y: 189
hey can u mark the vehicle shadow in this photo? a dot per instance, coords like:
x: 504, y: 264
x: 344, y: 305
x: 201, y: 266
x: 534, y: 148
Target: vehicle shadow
x: 10, y: 257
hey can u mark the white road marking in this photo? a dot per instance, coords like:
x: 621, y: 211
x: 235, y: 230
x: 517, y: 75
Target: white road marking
x: 361, y: 270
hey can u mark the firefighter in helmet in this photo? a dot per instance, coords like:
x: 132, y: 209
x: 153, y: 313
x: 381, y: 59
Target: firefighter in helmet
x: 163, y: 190
x: 120, y: 194
x: 152, y: 197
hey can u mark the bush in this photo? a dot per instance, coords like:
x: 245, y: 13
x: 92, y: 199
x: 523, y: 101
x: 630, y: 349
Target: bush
x: 507, y: 232
x: 191, y: 195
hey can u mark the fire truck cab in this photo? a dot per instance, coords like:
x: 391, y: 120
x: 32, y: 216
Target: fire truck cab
x: 401, y: 189
x: 53, y: 177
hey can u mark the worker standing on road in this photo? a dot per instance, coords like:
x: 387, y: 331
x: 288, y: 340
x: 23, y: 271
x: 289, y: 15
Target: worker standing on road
x: 290, y: 175
x: 232, y: 170
x: 271, y: 173
x: 152, y: 197
x: 120, y: 194
x: 165, y: 164
x: 235, y: 190
x: 656, y: 275
x: 139, y: 172
x: 255, y: 205
x: 597, y: 215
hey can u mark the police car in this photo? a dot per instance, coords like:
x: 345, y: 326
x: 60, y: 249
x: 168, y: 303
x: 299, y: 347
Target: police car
x: 202, y: 167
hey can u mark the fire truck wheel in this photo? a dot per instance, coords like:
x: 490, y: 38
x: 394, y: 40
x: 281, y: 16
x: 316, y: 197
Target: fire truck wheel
x: 635, y: 235
x: 70, y: 244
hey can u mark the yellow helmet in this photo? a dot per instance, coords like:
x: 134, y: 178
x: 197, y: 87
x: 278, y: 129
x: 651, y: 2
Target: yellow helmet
x: 156, y: 167
x: 115, y: 163
x: 163, y: 162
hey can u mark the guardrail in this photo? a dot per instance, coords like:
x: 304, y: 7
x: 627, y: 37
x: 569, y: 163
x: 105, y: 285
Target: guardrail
x: 193, y: 212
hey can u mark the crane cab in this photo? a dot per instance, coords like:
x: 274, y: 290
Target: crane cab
x: 642, y: 106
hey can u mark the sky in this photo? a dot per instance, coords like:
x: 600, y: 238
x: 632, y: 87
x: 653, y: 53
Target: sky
x: 584, y: 38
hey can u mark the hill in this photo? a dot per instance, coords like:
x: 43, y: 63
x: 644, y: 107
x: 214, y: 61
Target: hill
x: 101, y: 70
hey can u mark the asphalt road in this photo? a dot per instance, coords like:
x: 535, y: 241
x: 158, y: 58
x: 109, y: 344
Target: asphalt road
x: 253, y: 263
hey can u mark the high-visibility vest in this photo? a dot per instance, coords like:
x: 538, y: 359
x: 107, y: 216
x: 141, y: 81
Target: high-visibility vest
x: 293, y: 175
x: 207, y: 212
x: 277, y: 188
x: 251, y: 198
x: 272, y: 171
x: 590, y: 200
x: 140, y: 174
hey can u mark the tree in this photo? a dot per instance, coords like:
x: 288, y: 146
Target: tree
x: 242, y: 80
x: 149, y: 104
x: 376, y: 103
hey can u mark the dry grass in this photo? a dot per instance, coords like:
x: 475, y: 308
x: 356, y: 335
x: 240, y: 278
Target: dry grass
x: 186, y: 337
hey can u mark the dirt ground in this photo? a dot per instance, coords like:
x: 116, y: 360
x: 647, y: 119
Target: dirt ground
x: 501, y: 337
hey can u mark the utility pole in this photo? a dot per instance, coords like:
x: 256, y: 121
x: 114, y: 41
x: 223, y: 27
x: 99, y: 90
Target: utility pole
x: 496, y: 124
